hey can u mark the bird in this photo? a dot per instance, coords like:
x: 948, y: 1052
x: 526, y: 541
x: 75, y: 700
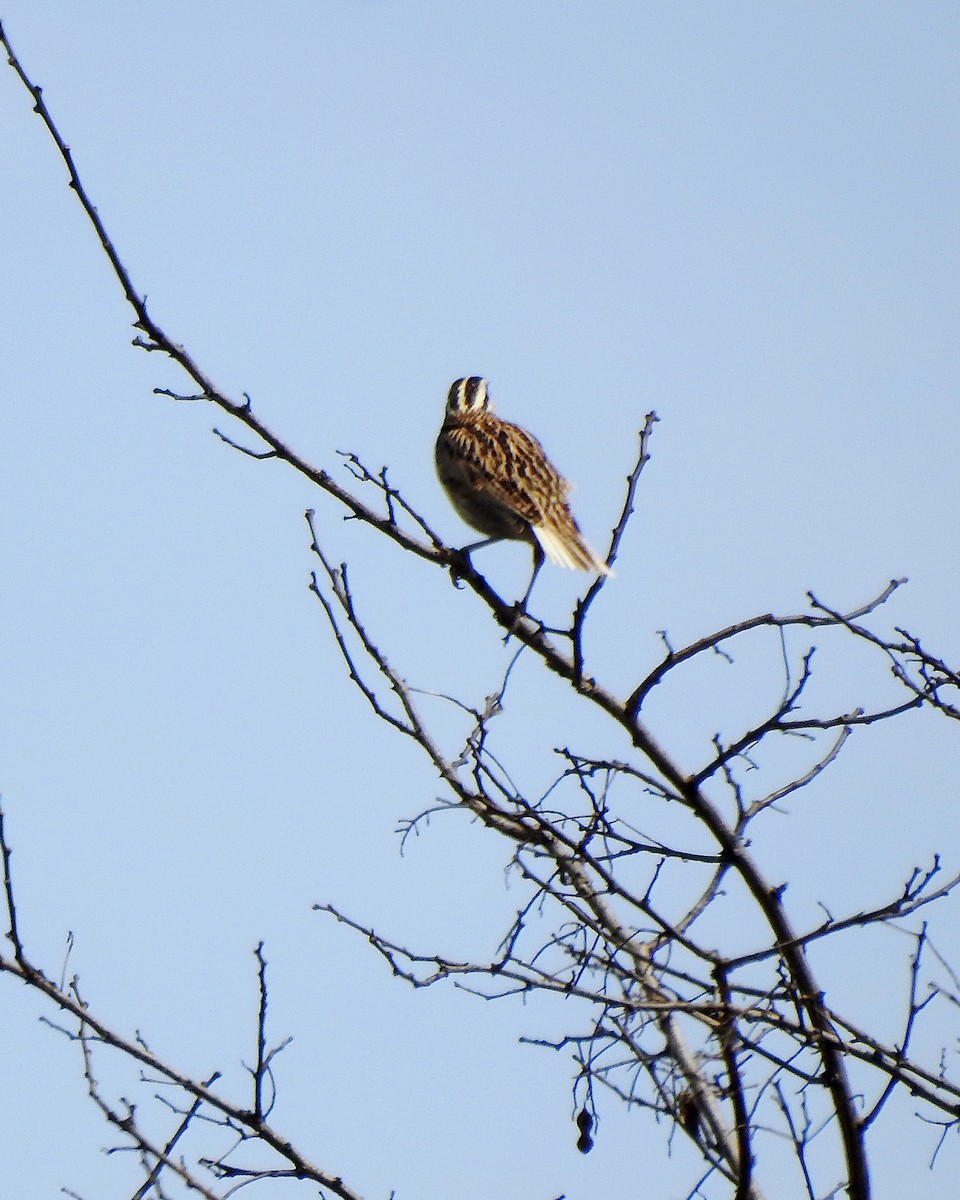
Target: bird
x: 500, y: 481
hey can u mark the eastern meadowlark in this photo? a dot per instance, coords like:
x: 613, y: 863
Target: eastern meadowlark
x: 501, y: 482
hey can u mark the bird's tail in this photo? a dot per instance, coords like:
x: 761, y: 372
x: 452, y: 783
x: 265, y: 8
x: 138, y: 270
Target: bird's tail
x: 565, y: 546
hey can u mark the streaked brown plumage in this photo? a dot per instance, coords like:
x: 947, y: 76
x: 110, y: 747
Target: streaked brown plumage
x: 501, y: 482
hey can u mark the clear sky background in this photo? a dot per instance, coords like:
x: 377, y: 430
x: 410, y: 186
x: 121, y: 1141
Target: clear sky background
x: 742, y: 215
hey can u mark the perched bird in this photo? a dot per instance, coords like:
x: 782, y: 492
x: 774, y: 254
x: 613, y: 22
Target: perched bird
x: 501, y: 482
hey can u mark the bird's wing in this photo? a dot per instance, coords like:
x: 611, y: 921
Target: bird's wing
x: 508, y: 466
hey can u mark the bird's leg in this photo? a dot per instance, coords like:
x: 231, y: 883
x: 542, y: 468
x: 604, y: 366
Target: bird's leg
x: 538, y: 557
x: 466, y: 551
x: 479, y: 545
x: 520, y: 608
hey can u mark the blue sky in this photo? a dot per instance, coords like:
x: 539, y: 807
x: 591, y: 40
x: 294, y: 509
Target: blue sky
x: 744, y: 216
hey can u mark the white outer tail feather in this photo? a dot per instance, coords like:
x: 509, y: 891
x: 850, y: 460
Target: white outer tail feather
x: 576, y: 557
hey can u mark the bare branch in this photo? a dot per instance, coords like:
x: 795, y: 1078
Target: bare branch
x: 725, y: 1035
x: 633, y: 479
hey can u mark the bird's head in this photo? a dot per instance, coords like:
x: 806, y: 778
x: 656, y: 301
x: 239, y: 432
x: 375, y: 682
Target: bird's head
x: 467, y: 398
